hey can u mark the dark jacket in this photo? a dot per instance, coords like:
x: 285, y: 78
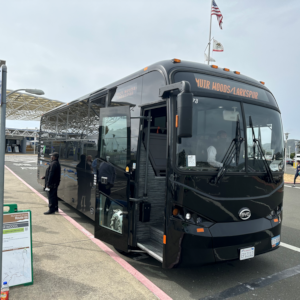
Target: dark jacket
x: 107, y: 170
x: 85, y: 175
x: 52, y: 176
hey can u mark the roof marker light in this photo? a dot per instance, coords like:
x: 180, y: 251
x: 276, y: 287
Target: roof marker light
x: 176, y: 60
x: 262, y: 82
x: 145, y: 69
x: 237, y: 72
x: 226, y: 69
x: 214, y: 66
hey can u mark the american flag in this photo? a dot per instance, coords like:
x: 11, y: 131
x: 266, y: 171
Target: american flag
x: 216, y: 11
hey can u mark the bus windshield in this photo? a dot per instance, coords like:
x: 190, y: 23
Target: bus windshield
x: 267, y: 129
x: 216, y: 125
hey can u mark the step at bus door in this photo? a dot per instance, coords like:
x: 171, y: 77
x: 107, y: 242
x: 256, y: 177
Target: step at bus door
x: 113, y: 179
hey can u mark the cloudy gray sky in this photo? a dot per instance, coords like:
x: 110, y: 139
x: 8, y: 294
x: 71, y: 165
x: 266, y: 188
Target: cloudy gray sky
x: 70, y: 48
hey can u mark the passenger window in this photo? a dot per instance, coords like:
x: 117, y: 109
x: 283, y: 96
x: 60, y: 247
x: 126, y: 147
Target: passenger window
x: 48, y: 127
x: 130, y: 92
x: 151, y: 83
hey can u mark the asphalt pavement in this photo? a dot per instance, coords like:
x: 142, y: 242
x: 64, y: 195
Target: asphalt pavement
x: 275, y: 275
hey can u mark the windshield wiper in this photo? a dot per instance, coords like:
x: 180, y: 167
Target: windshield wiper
x: 233, y: 150
x: 259, y: 147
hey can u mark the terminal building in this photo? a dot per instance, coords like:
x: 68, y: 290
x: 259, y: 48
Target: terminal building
x: 25, y: 107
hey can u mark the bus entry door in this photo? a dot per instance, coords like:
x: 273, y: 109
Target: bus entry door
x: 113, y: 179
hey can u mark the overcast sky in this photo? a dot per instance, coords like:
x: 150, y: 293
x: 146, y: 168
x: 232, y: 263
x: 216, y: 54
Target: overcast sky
x: 70, y: 48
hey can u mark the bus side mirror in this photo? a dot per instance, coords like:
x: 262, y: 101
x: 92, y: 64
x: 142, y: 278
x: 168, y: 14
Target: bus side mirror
x: 185, y: 114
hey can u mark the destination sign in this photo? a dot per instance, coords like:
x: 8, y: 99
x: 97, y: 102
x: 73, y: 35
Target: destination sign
x: 224, y: 88
x: 207, y: 83
x: 125, y: 92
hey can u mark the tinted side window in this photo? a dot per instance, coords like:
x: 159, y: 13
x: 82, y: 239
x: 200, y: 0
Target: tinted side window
x: 130, y: 92
x: 151, y: 83
x: 78, y: 125
x: 62, y: 123
x: 48, y: 127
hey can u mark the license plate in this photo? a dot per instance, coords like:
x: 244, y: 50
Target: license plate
x: 247, y: 253
x: 275, y: 241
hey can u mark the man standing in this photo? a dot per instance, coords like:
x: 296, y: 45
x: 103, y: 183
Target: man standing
x: 297, y: 171
x: 52, y: 180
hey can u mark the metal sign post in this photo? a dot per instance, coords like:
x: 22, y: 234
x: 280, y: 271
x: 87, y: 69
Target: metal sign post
x: 2, y: 155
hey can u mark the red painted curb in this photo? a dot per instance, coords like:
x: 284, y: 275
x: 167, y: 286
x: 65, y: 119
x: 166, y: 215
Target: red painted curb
x: 139, y: 276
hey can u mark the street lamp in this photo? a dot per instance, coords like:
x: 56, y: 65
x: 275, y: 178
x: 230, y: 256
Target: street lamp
x: 30, y: 91
x: 295, y: 163
x: 3, y: 102
x: 285, y: 149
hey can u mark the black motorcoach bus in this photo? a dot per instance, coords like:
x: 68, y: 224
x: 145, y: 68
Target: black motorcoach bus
x: 181, y: 159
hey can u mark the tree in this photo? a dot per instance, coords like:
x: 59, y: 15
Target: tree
x: 292, y: 155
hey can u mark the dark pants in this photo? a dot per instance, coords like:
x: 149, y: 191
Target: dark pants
x: 296, y: 175
x: 53, y: 200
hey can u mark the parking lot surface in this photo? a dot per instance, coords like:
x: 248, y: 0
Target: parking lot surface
x: 275, y: 275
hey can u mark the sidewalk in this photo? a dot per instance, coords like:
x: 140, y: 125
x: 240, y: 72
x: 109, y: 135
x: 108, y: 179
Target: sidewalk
x: 289, y: 178
x: 68, y: 263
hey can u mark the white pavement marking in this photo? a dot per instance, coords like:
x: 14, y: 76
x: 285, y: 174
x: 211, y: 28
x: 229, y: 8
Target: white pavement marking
x: 294, y: 187
x: 290, y: 247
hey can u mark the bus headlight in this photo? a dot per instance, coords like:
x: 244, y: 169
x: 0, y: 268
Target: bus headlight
x: 276, y: 212
x: 188, y: 216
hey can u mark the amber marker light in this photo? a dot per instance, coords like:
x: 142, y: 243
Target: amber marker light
x: 175, y: 211
x: 237, y: 72
x: 176, y: 121
x: 127, y: 169
x: 176, y: 61
x: 226, y: 69
x: 200, y: 229
x: 145, y: 69
x: 262, y: 82
x: 276, y: 220
x: 214, y: 66
x: 165, y: 239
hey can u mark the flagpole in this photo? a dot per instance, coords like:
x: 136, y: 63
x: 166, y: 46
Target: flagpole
x: 209, y: 34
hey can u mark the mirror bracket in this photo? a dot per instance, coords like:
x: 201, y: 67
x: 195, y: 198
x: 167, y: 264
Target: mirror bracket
x: 183, y: 86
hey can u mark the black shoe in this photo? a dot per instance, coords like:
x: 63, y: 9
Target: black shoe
x: 49, y: 212
x: 56, y: 209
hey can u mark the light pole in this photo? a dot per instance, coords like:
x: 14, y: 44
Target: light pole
x: 285, y: 149
x: 295, y: 163
x: 3, y: 102
x: 34, y: 141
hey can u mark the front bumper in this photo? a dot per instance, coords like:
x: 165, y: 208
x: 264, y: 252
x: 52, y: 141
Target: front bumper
x: 222, y: 241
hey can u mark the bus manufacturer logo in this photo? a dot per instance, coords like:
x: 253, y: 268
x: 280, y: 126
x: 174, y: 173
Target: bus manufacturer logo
x: 245, y: 213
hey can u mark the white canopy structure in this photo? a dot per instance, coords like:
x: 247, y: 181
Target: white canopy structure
x: 28, y: 107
